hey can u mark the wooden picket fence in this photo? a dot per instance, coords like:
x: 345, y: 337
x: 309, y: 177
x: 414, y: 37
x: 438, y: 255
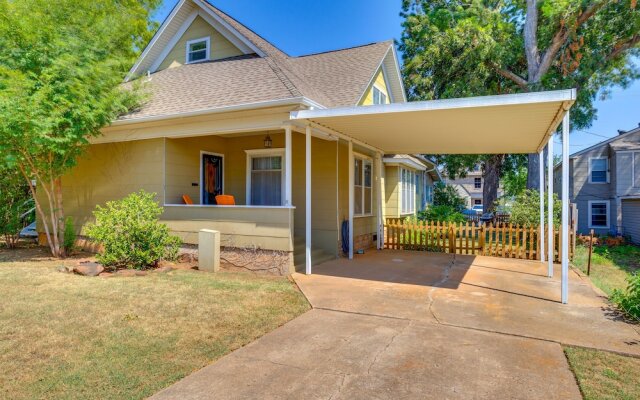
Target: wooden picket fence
x: 502, y: 240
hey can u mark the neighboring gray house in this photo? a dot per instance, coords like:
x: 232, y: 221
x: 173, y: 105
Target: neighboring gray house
x: 605, y: 185
x: 470, y: 187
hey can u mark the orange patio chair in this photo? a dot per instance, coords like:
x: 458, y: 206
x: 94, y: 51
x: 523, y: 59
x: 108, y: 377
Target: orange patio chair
x: 225, y: 200
x: 187, y: 200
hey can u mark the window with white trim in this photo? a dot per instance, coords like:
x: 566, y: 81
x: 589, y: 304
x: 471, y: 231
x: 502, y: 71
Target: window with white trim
x: 598, y: 214
x: 378, y: 96
x: 198, y: 50
x: 265, y: 177
x: 477, y: 183
x: 598, y: 170
x: 362, y: 193
x: 408, y: 191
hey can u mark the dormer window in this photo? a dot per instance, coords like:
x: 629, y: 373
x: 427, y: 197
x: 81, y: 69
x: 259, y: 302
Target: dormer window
x: 198, y: 50
x: 378, y: 96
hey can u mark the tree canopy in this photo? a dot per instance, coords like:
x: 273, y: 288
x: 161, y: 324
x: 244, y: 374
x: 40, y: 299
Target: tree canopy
x: 61, y: 68
x: 461, y: 48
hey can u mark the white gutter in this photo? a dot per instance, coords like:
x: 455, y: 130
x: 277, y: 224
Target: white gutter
x: 405, y: 162
x: 218, y: 110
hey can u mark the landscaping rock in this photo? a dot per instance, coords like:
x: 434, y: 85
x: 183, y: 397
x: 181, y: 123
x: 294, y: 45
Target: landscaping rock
x: 130, y: 273
x: 165, y: 269
x: 88, y: 269
x: 105, y: 274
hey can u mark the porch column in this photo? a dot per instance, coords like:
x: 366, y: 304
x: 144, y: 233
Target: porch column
x: 308, y: 201
x: 550, y: 235
x: 541, y: 169
x: 565, y: 208
x: 287, y: 166
x: 379, y: 201
x: 351, y: 196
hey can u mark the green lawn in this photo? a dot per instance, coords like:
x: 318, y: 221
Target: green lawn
x: 605, y: 376
x: 610, y: 266
x: 73, y: 337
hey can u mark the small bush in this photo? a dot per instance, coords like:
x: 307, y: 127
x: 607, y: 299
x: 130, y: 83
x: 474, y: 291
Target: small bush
x: 446, y: 195
x: 525, y: 208
x: 442, y: 214
x: 131, y: 234
x: 629, y: 299
x: 69, y: 235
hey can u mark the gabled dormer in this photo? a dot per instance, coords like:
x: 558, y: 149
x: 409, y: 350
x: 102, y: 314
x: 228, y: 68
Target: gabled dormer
x: 193, y: 32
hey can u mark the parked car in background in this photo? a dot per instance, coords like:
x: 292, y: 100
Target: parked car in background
x: 478, y: 208
x: 29, y: 232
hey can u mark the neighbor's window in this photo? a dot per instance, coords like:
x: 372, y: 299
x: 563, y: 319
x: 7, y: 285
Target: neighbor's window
x: 362, y: 193
x: 477, y: 202
x: 197, y: 50
x: 477, y: 183
x: 599, y: 214
x: 378, y: 96
x: 408, y: 190
x: 598, y: 169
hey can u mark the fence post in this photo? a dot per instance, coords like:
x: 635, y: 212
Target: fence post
x: 590, y: 250
x: 452, y: 244
x: 481, y: 244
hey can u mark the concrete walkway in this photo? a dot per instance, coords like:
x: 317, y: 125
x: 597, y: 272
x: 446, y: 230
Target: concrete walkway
x: 394, y: 325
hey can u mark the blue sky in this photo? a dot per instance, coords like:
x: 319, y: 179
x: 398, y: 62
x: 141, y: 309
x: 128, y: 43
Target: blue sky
x: 302, y: 27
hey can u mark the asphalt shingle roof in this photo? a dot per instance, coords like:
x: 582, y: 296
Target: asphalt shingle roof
x: 332, y: 79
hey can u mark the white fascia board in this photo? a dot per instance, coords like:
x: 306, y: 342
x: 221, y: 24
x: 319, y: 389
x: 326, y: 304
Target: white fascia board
x: 568, y: 95
x: 174, y: 40
x: 155, y: 37
x: 399, y: 73
x: 404, y: 162
x: 215, y: 110
x: 235, y: 34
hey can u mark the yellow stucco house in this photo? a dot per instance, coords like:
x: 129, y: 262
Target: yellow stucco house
x: 218, y: 122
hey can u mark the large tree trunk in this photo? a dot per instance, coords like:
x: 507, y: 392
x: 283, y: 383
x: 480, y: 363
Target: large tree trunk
x: 533, y: 174
x: 491, y: 177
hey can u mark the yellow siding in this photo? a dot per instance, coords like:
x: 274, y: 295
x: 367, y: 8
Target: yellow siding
x: 392, y: 192
x: 265, y: 228
x: 380, y: 83
x: 111, y: 172
x: 220, y: 46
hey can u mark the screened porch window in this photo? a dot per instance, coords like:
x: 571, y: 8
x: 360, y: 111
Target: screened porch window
x: 362, y: 193
x: 265, y: 179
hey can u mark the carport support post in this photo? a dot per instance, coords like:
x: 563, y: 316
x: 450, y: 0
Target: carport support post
x: 565, y: 208
x: 379, y: 202
x: 351, y: 196
x: 541, y: 193
x: 308, y: 201
x: 550, y: 228
x: 287, y: 166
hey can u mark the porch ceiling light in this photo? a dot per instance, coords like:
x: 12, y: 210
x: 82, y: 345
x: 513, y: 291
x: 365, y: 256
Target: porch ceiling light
x: 267, y: 142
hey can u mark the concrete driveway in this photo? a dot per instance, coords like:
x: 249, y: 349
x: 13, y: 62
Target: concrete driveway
x: 394, y: 325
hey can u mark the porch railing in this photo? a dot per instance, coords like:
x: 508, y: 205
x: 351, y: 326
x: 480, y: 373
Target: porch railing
x: 505, y: 240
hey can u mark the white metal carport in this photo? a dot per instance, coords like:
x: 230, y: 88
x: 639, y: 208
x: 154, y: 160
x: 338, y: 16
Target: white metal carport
x: 515, y: 123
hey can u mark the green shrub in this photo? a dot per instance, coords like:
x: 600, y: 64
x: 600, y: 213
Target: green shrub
x: 629, y: 299
x: 69, y: 235
x: 525, y: 208
x: 131, y: 234
x: 442, y: 214
x: 446, y: 195
x: 15, y: 200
